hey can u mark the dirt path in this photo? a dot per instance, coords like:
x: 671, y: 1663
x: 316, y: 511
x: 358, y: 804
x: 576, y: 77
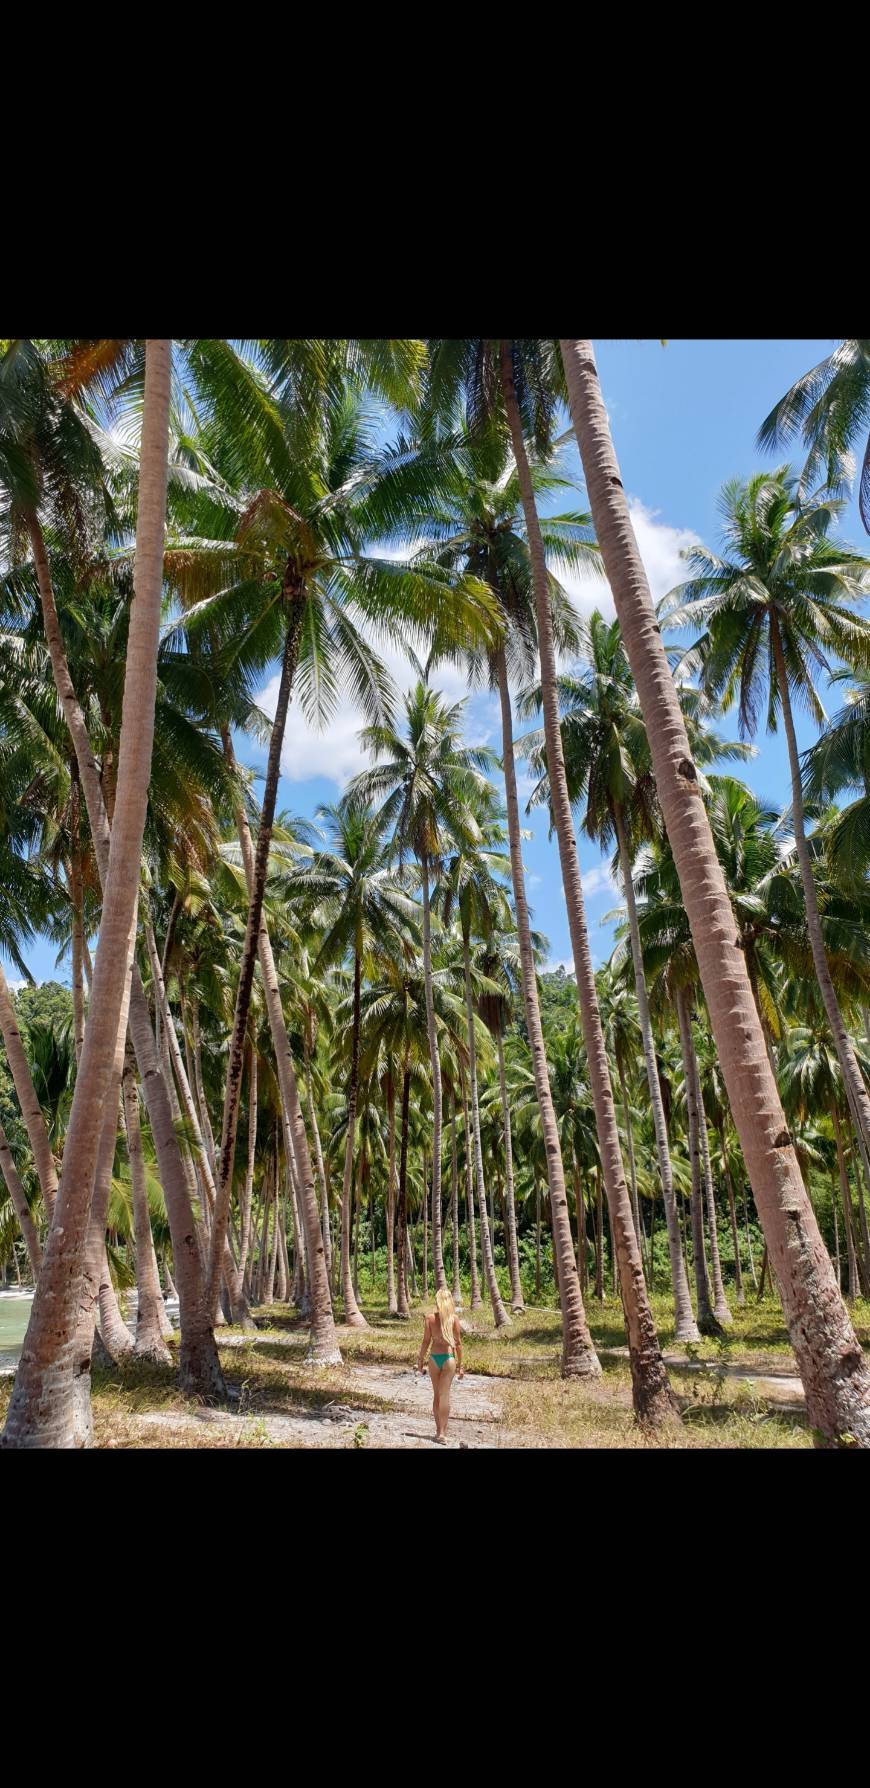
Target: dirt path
x: 475, y: 1417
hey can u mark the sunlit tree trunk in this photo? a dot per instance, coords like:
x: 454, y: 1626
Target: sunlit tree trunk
x: 836, y: 1378
x: 46, y: 1397
x: 652, y: 1397
x: 579, y: 1359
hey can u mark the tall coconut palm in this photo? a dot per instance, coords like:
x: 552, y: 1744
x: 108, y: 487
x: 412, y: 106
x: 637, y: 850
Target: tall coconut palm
x: 50, y: 1403
x: 276, y: 565
x: 774, y: 606
x: 353, y: 897
x: 473, y: 886
x: 482, y: 529
x: 524, y: 378
x: 829, y: 408
x: 427, y: 781
x: 836, y: 1379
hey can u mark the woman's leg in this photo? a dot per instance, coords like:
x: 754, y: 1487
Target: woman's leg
x: 435, y: 1375
x: 443, y: 1413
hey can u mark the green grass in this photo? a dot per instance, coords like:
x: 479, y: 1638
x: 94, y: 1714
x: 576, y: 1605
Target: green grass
x: 269, y: 1377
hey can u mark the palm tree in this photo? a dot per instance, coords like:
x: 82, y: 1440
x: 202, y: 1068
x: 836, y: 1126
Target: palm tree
x: 774, y: 605
x: 653, y: 1400
x: 839, y: 762
x: 483, y: 530
x: 45, y: 447
x: 607, y: 765
x: 473, y: 886
x: 812, y: 1088
x: 835, y: 1377
x: 829, y: 408
x: 356, y: 902
x: 427, y: 783
x: 276, y: 564
x: 50, y: 1399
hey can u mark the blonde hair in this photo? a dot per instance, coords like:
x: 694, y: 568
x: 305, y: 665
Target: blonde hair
x: 446, y: 1313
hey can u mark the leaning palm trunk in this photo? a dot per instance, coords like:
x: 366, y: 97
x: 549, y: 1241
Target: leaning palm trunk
x: 76, y: 912
x: 233, y: 1275
x: 256, y: 891
x: 579, y: 1359
x: 502, y: 1320
x: 836, y: 1378
x: 435, y: 1059
x: 323, y: 1346
x: 651, y: 1392
x: 856, y: 1091
x: 517, y: 1304
x: 45, y: 1398
x: 686, y: 1328
x: 353, y: 1315
x: 20, y: 1205
x: 31, y: 1110
x: 707, y: 1321
x: 200, y: 1369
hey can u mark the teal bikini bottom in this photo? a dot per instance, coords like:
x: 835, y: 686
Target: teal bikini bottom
x: 440, y: 1358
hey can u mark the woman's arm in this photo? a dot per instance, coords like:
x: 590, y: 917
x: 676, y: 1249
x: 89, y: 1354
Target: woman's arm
x: 424, y: 1346
x: 457, y: 1339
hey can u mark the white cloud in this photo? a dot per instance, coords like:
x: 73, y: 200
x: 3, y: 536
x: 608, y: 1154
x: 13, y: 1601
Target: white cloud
x: 16, y: 984
x: 598, y: 880
x: 659, y: 545
x: 334, y: 751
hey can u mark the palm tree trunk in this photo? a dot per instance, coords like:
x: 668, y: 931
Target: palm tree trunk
x: 476, y: 1299
x: 205, y: 1119
x: 391, y: 1195
x: 632, y: 1170
x: 248, y: 1188
x: 318, y: 1153
x: 31, y: 1110
x: 579, y: 1359
x: 848, y: 1218
x: 435, y: 1059
x: 353, y: 1315
x: 599, y: 1237
x: 538, y: 1240
x: 732, y: 1211
x: 295, y: 603
x: 200, y: 1369
x: 454, y: 1205
x: 835, y: 1376
x: 76, y: 910
x: 652, y: 1396
x: 517, y: 1304
x: 502, y: 1320
x: 425, y: 1233
x: 836, y: 1237
x: 720, y: 1302
x: 862, y: 1216
x: 707, y: 1322
x: 20, y: 1205
x: 48, y: 1394
x: 323, y: 1345
x: 150, y: 1310
x: 856, y: 1090
x: 403, y: 1301
x: 283, y: 1264
x: 686, y: 1328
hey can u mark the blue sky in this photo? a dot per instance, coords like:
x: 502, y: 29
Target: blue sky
x: 684, y: 419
